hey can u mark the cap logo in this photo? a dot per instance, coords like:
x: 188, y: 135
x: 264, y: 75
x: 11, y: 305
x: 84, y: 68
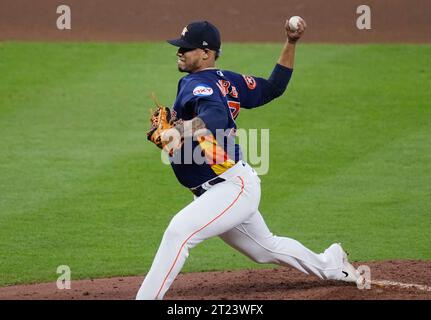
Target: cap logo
x: 184, y: 31
x: 204, y: 43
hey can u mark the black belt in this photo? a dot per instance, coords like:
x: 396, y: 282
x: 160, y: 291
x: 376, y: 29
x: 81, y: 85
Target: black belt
x: 198, y: 191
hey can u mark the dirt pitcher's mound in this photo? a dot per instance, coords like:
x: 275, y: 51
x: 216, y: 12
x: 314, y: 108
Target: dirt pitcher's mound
x: 390, y: 280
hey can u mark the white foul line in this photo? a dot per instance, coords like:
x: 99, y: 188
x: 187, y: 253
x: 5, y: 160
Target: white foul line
x: 401, y: 285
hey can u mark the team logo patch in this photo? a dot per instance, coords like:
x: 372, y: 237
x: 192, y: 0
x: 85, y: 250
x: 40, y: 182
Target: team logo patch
x: 202, y: 90
x: 250, y: 81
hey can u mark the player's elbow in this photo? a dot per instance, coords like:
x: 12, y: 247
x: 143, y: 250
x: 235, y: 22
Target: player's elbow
x: 278, y: 91
x: 279, y: 80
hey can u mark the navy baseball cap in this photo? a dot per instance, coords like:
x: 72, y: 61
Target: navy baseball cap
x: 199, y: 34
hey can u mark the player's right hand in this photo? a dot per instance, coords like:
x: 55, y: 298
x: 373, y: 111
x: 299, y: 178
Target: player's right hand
x: 294, y: 36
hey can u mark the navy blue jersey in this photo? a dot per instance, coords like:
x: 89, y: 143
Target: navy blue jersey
x: 216, y: 97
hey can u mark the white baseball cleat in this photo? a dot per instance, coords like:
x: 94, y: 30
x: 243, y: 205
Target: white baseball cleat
x: 350, y: 274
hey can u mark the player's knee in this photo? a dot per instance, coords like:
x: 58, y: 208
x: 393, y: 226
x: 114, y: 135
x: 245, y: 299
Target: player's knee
x: 173, y: 234
x: 261, y: 256
x: 264, y: 253
x: 263, y: 259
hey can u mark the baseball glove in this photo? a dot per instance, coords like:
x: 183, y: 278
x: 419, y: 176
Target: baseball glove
x: 161, y: 121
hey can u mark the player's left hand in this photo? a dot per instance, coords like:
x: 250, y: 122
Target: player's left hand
x: 294, y: 36
x: 163, y: 132
x: 160, y: 121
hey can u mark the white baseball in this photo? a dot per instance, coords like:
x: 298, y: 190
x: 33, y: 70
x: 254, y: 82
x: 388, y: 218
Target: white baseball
x: 293, y: 22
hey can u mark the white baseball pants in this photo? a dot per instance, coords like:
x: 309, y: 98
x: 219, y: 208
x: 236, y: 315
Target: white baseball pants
x: 230, y: 210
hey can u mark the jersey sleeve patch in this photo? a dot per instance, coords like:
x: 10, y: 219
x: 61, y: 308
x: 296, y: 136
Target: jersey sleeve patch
x: 202, y: 90
x: 250, y: 81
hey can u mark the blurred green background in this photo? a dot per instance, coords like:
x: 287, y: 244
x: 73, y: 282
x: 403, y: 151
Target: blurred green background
x: 350, y: 155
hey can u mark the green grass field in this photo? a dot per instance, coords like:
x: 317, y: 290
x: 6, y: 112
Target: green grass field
x: 350, y: 145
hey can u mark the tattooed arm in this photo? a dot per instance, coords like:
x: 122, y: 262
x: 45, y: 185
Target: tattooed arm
x: 174, y: 137
x: 188, y: 128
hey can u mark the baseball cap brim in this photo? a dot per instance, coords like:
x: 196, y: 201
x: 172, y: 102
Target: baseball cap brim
x: 181, y: 43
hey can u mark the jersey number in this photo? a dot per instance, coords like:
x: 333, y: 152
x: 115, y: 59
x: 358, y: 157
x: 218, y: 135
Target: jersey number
x: 234, y: 108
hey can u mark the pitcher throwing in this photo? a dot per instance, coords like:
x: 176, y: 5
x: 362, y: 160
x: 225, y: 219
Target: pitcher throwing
x: 199, y: 136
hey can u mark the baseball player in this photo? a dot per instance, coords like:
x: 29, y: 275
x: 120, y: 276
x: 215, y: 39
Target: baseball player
x: 199, y: 136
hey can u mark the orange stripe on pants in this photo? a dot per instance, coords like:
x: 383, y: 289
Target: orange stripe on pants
x: 188, y: 238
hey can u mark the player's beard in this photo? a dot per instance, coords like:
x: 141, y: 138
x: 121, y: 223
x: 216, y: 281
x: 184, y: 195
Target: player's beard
x: 180, y: 69
x: 188, y: 67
